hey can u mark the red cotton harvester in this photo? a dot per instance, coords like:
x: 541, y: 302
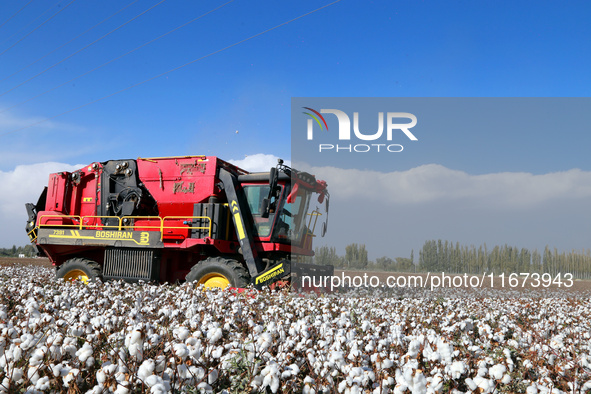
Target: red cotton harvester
x: 190, y: 218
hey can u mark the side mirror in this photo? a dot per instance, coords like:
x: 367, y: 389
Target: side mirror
x: 323, y: 229
x: 265, y: 208
x: 272, y: 174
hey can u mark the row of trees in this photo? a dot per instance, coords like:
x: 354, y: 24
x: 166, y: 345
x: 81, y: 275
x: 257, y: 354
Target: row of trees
x: 356, y: 258
x: 15, y: 251
x: 445, y: 256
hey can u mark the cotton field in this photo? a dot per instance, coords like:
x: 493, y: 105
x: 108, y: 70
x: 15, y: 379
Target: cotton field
x: 122, y: 338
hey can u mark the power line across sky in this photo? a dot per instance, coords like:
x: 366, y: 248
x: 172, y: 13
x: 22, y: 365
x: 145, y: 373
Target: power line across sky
x: 155, y: 76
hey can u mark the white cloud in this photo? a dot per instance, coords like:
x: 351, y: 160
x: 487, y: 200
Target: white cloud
x: 257, y: 163
x: 22, y: 185
x: 433, y: 182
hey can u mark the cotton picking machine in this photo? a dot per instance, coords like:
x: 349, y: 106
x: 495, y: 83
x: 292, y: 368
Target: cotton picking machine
x: 190, y: 218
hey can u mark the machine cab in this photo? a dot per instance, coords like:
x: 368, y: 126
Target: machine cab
x: 287, y: 207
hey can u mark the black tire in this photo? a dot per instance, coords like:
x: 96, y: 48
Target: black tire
x: 212, y: 267
x: 79, y: 266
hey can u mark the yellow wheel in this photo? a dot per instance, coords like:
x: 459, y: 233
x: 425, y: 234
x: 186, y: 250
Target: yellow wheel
x: 214, y: 279
x: 219, y: 272
x: 76, y: 274
x: 79, y: 268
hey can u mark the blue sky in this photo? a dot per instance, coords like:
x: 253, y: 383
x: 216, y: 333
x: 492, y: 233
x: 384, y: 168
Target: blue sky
x: 350, y: 49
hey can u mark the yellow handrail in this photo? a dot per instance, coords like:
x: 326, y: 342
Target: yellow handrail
x: 161, y: 227
x: 208, y: 228
x: 118, y: 227
x: 76, y: 217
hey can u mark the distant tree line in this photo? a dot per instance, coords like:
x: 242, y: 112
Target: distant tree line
x: 356, y: 258
x: 445, y: 256
x: 28, y: 251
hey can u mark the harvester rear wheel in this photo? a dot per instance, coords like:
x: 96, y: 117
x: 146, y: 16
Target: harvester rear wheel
x: 219, y: 272
x: 79, y: 268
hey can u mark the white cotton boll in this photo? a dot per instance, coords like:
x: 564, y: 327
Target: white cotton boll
x: 197, y: 372
x: 17, y: 353
x: 3, y: 361
x: 355, y: 390
x: 267, y: 380
x: 457, y: 368
x: 101, y: 377
x: 506, y: 379
x: 56, y: 369
x: 180, y: 350
x: 181, y: 333
x: 121, y: 389
x: 296, y: 370
x: 135, y: 344
x: 213, y: 376
x: 160, y: 363
x: 485, y: 384
x: 109, y: 368
x: 71, y: 376
x: 365, y: 325
x: 158, y: 388
x: 4, y: 385
x: 84, y: 352
x: 152, y: 380
x: 214, y: 335
x: 342, y: 386
x: 308, y: 390
x: 354, y: 354
x: 497, y: 371
x: 154, y: 339
x: 355, y: 371
x: 413, y: 348
x: 33, y: 374
x: 419, y: 383
x: 183, y: 372
x: 217, y: 353
x: 470, y: 383
x: 531, y: 389
x: 146, y: 369
x: 257, y: 381
x: 264, y: 341
x: 16, y: 375
x: 42, y: 383
x: 204, y: 387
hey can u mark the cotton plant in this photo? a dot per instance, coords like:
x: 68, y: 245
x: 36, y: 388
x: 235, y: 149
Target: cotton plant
x: 117, y: 337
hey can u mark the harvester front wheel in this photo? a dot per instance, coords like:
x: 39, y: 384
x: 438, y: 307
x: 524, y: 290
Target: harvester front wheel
x: 79, y: 268
x: 218, y: 272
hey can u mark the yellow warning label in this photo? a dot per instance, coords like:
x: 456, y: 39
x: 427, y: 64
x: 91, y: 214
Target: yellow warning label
x: 271, y: 274
x: 239, y: 226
